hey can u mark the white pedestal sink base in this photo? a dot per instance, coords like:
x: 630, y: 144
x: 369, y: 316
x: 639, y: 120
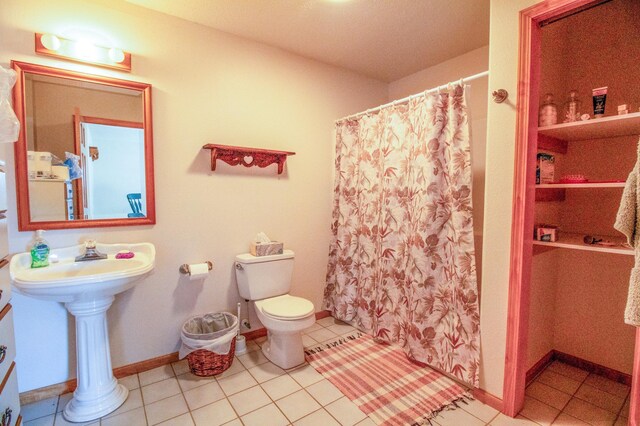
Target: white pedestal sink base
x: 98, y: 392
x: 79, y: 411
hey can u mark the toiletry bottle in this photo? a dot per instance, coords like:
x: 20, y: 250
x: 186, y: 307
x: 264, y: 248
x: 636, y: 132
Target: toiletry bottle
x: 599, y: 101
x: 548, y: 112
x: 39, y: 251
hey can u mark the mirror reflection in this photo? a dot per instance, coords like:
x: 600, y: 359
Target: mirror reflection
x: 86, y: 145
x: 85, y: 149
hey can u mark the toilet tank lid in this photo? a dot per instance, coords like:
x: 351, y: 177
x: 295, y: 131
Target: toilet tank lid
x: 249, y: 258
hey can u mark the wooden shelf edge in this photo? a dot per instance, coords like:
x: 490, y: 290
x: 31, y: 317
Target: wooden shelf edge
x: 556, y: 191
x: 574, y: 242
x: 248, y: 157
x: 614, y: 125
x: 48, y: 180
x: 581, y: 185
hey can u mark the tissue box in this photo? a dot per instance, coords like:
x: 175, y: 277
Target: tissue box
x: 545, y: 166
x: 266, y: 249
x: 544, y: 232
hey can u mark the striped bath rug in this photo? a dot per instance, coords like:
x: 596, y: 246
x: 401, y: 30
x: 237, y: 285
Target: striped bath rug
x: 383, y: 383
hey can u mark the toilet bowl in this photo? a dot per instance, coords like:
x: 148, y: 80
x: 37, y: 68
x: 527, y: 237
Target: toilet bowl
x: 266, y: 281
x: 285, y: 317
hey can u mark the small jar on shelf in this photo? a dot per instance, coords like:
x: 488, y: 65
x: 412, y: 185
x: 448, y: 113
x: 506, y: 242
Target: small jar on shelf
x: 572, y: 108
x: 548, y: 114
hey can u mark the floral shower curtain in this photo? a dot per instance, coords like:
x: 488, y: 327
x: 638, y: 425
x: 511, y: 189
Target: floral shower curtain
x: 401, y: 261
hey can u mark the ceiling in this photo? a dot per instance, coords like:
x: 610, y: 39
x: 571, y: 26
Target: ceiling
x: 383, y: 39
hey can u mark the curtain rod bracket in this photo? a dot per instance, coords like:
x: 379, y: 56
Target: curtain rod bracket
x: 500, y: 95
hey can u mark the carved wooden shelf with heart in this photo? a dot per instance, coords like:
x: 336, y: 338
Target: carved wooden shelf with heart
x: 235, y: 155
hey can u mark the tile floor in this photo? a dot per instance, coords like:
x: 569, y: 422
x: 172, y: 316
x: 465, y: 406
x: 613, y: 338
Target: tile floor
x: 255, y: 392
x: 566, y: 395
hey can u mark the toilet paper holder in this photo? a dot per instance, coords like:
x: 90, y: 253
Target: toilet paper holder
x: 184, y: 268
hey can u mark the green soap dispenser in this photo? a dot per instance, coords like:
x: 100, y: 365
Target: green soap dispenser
x: 39, y: 251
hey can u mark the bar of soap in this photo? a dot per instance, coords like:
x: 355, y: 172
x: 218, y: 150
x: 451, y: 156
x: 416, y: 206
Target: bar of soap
x: 124, y: 254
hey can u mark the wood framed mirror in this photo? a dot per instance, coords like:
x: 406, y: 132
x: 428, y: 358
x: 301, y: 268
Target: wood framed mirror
x: 84, y: 157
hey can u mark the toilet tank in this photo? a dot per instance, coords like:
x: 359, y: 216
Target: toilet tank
x: 261, y: 277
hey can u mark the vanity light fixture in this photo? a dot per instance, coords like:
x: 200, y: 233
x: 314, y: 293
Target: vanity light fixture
x: 82, y: 51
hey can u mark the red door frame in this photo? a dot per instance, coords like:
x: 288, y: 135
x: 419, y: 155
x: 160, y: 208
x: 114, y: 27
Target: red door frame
x: 523, y: 203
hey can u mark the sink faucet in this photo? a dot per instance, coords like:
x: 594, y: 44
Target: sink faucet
x: 90, y: 252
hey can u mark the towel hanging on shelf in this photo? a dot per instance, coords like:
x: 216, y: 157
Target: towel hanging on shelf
x: 628, y: 222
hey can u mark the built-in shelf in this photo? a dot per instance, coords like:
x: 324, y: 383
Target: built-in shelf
x: 574, y: 241
x: 607, y: 127
x: 556, y: 191
x: 248, y: 157
x: 47, y: 180
x: 581, y: 185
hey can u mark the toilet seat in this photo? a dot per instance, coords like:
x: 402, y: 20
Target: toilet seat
x: 286, y: 307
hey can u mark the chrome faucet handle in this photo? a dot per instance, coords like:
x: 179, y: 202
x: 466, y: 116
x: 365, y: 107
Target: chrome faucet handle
x: 90, y: 252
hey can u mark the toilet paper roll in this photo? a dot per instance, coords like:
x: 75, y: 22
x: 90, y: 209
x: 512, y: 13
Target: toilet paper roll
x: 198, y: 271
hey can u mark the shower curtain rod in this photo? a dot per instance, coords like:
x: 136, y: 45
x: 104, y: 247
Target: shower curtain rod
x: 408, y: 98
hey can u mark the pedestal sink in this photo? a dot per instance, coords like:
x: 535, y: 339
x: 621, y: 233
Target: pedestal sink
x: 87, y: 289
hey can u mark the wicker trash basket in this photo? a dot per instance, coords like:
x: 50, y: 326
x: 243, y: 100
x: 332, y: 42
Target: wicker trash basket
x: 206, y: 363
x: 206, y: 339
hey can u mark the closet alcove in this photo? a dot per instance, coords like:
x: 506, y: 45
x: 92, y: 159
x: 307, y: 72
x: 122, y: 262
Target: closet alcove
x: 578, y: 291
x: 567, y: 298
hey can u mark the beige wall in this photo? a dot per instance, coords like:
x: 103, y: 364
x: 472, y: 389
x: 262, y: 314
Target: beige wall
x: 501, y: 126
x: 208, y: 87
x: 542, y: 306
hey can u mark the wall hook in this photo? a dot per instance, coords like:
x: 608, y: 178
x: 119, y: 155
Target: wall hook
x: 500, y: 95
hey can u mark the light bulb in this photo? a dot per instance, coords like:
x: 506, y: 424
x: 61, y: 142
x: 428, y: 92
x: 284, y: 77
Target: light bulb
x: 85, y: 50
x: 116, y: 55
x: 50, y: 41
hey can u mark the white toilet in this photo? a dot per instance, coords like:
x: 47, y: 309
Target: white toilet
x: 266, y: 280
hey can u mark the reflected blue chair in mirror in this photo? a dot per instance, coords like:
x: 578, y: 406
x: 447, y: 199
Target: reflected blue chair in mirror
x: 136, y: 204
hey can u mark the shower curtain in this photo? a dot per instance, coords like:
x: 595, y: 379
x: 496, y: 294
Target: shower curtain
x: 401, y: 260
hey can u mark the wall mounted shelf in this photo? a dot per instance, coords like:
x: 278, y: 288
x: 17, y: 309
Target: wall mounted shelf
x: 248, y: 157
